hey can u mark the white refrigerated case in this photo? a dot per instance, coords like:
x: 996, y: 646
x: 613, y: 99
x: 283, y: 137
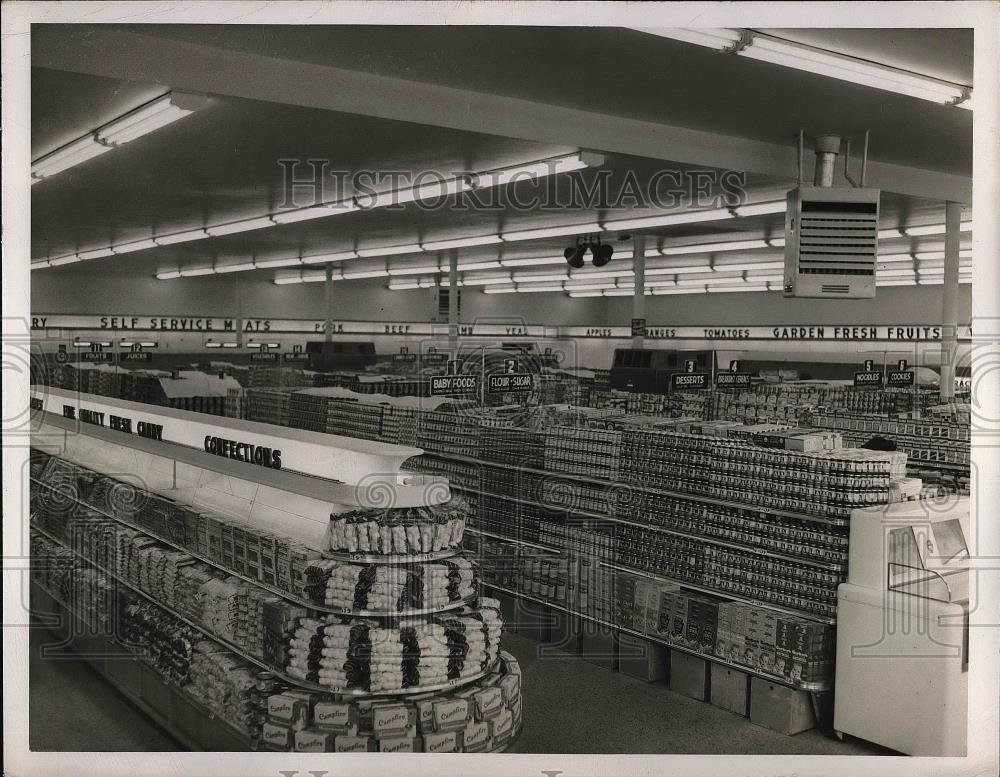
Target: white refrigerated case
x: 903, y: 628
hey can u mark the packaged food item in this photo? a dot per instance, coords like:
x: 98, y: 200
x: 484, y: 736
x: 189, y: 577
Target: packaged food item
x: 446, y: 742
x: 314, y: 741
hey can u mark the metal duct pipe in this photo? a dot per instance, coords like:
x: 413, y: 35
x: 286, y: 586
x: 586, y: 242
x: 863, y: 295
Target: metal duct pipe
x: 827, y: 148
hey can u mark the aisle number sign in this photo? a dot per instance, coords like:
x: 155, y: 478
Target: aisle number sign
x: 900, y: 377
x: 868, y: 379
x: 509, y: 382
x: 689, y: 381
x: 454, y: 385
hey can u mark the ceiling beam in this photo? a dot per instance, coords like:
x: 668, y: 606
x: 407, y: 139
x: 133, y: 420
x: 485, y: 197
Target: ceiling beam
x: 192, y: 67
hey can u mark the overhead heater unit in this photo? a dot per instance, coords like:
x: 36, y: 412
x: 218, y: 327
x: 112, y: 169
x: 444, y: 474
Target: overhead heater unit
x: 831, y: 232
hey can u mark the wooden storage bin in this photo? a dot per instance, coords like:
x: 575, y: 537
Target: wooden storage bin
x: 644, y: 660
x: 780, y: 708
x: 730, y: 689
x: 689, y: 675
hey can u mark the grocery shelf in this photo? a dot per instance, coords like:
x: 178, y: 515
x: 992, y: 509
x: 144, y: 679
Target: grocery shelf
x: 544, y: 548
x: 804, y: 614
x: 377, y: 558
x: 318, y: 607
x: 761, y: 509
x: 662, y: 530
x: 209, y: 731
x: 811, y: 687
x: 290, y: 679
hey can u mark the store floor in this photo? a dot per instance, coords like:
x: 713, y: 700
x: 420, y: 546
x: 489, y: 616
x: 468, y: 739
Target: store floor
x: 570, y: 706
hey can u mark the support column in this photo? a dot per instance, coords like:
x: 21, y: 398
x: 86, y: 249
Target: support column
x: 239, y: 310
x: 949, y: 306
x: 328, y: 289
x: 639, y: 296
x: 453, y: 303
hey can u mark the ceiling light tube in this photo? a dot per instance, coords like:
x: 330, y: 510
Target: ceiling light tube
x: 213, y: 344
x: 462, y: 242
x: 529, y: 278
x: 181, y: 237
x: 319, y: 277
x: 147, y: 118
x: 400, y: 285
x: 534, y: 170
x: 68, y: 259
x: 70, y: 155
x: 280, y: 261
x: 723, y: 267
x: 894, y: 272
x: 135, y: 245
x: 585, y: 294
x: 415, y: 270
x: 534, y: 262
x: 702, y: 248
x: 95, y: 253
x: 412, y: 248
x: 283, y: 278
x: 744, y: 287
x: 667, y: 219
x: 846, y: 68
x: 245, y: 225
x: 531, y: 289
x: 499, y: 290
x: 760, y: 209
x: 931, y: 255
x: 491, y: 264
x: 194, y: 272
x: 588, y: 286
x: 221, y: 269
x: 81, y: 343
x: 472, y: 280
x: 230, y: 345
x: 585, y: 274
x: 895, y: 258
x: 255, y: 344
x: 168, y: 275
x: 338, y: 256
x: 314, y: 212
x: 693, y: 268
x: 538, y: 234
x: 42, y: 263
x: 439, y: 188
x: 358, y: 274
x: 672, y: 290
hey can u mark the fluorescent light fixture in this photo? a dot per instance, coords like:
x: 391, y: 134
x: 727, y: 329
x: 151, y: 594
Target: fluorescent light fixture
x: 678, y: 270
x: 491, y: 264
x: 722, y: 267
x: 857, y: 71
x: 894, y: 273
x: 399, y: 285
x: 499, y: 290
x: 135, y: 245
x: 760, y: 209
x: 529, y: 278
x: 95, y: 253
x: 720, y: 38
x: 148, y: 344
x: 81, y: 343
x: 280, y: 261
x: 538, y: 234
x: 70, y: 155
x: 462, y: 242
x: 472, y: 280
x: 744, y: 287
x: 224, y: 268
x: 42, y: 263
x: 419, y: 269
x: 667, y: 219
x: 151, y: 116
x: 931, y: 255
x: 585, y: 274
x: 702, y: 248
x: 350, y: 276
x: 534, y: 170
x: 585, y: 294
x: 530, y: 289
x: 588, y: 286
x: 211, y: 344
x: 766, y: 278
x: 68, y: 259
x: 412, y: 248
x: 889, y: 258
x: 314, y: 212
x: 181, y: 237
x: 284, y: 279
x: 168, y: 275
x: 439, y: 188
x: 319, y: 277
x: 912, y: 281
x: 691, y: 282
x: 246, y: 225
x: 338, y: 256
x: 534, y: 262
x: 255, y: 344
x: 619, y: 293
x: 193, y: 272
x: 146, y: 118
x: 672, y: 290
